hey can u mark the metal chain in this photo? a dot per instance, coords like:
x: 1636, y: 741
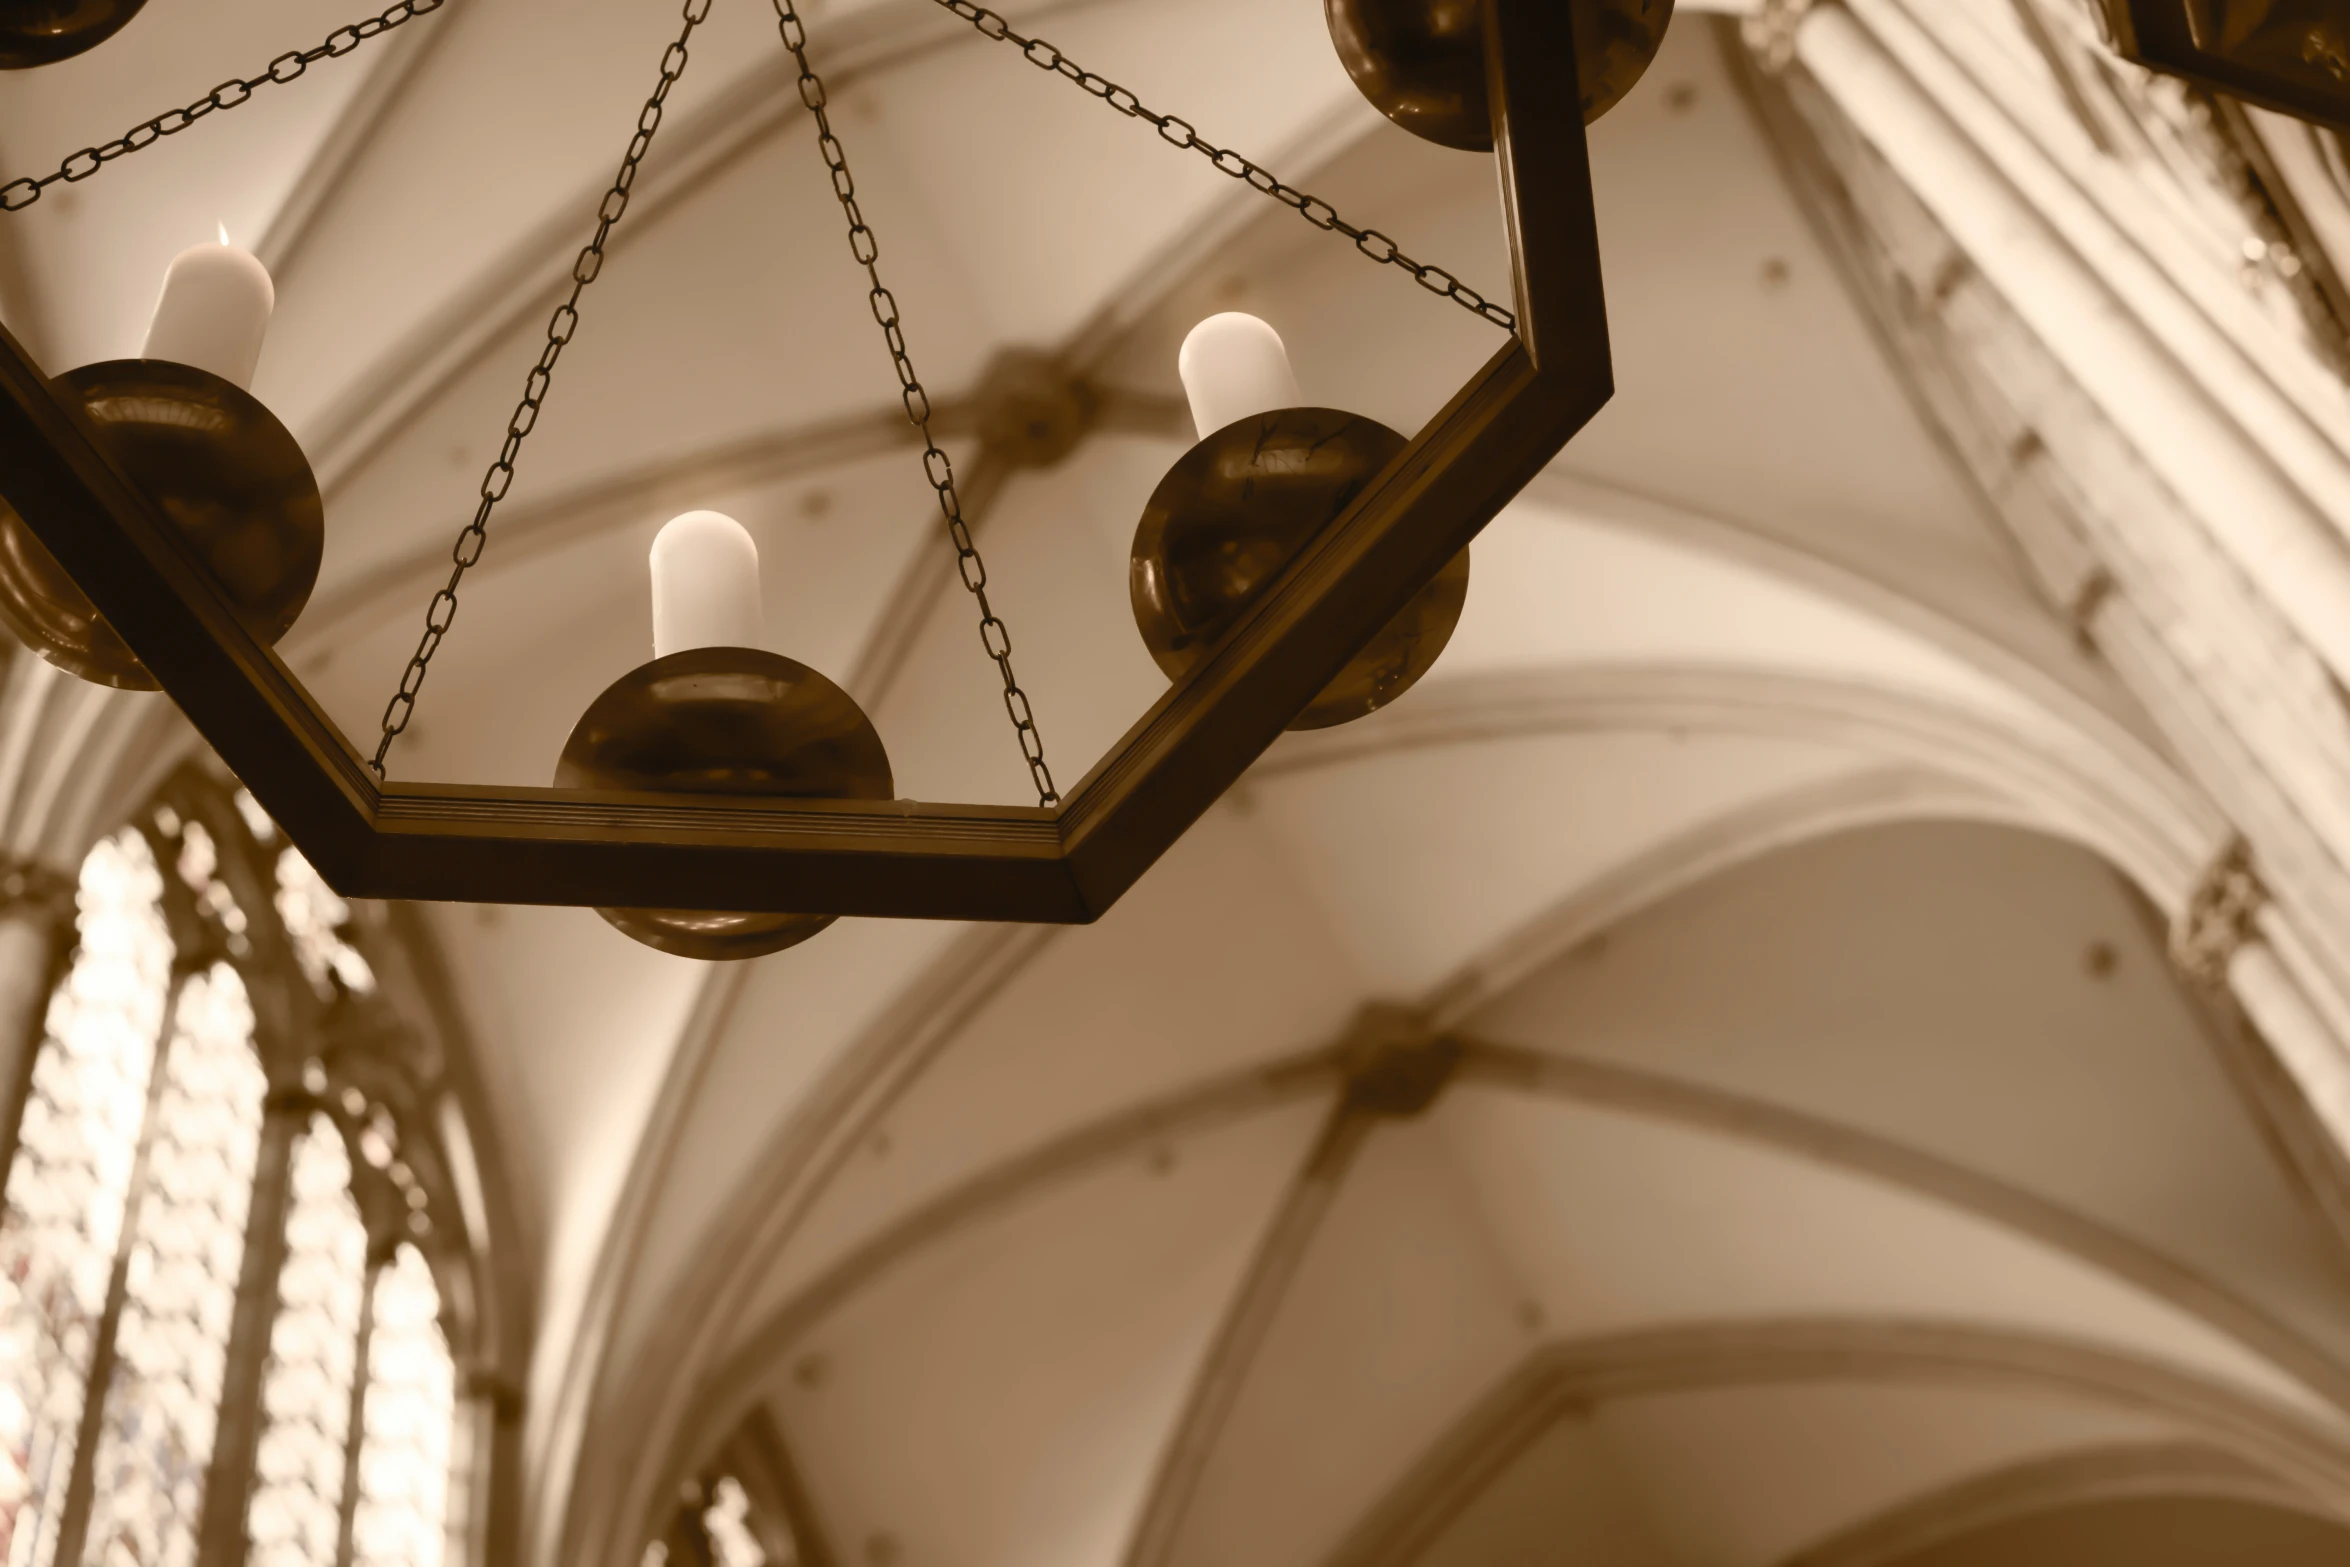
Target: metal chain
x: 18, y: 194
x: 443, y: 611
x: 1179, y: 133
x: 936, y: 466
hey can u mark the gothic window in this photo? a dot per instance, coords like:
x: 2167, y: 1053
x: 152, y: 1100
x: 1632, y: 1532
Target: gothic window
x: 411, y: 1409
x: 225, y: 1227
x: 717, y: 1526
x: 745, y: 1508
x: 296, y: 1515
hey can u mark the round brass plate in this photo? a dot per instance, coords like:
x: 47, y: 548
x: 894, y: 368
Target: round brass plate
x: 216, y: 463
x: 725, y: 720
x: 1231, y: 513
x: 1422, y: 62
x: 42, y: 32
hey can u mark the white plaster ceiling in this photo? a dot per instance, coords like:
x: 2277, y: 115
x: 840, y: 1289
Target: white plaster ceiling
x: 1783, y: 1307
x: 1753, y: 605
x: 1721, y: 1476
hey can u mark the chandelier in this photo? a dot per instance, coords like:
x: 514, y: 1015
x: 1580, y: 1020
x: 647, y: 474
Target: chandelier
x: 1298, y: 567
x: 2289, y: 55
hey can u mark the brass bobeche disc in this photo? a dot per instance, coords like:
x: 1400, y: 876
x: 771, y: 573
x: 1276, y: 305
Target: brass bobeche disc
x: 43, y: 32
x: 220, y: 467
x: 1231, y: 513
x: 725, y: 720
x: 1422, y: 62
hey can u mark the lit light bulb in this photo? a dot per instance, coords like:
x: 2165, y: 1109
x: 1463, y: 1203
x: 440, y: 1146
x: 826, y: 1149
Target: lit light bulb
x: 213, y: 312
x: 1234, y: 368
x: 705, y: 585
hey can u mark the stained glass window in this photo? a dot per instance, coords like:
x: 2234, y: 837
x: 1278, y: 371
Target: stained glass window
x: 131, y: 1226
x: 728, y: 1521
x: 411, y: 1414
x: 296, y: 1516
x: 181, y: 1285
x: 717, y: 1525
x: 78, y: 1140
x: 314, y: 916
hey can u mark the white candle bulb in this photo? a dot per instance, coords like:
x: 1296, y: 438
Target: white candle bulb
x: 705, y: 585
x: 1234, y: 368
x: 214, y: 312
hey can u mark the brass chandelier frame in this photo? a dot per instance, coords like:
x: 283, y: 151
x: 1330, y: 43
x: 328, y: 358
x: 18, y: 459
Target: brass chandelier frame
x: 1062, y: 865
x: 2289, y: 55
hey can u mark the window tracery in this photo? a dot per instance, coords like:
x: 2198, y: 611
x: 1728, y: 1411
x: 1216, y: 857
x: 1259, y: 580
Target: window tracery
x: 222, y: 1336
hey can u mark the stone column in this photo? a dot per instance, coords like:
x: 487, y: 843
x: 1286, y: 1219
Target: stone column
x: 2173, y: 466
x: 236, y: 1445
x: 355, y: 1433
x: 284, y: 1030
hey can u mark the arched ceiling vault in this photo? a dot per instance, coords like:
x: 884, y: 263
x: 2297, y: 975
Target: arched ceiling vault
x: 1750, y: 1167
x: 1493, y: 1491
x: 1755, y: 607
x: 2156, y: 1476
x: 1152, y: 1137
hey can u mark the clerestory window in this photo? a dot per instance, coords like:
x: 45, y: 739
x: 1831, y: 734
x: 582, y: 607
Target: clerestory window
x: 226, y: 1228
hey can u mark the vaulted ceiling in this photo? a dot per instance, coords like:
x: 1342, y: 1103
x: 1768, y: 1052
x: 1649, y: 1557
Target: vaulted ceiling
x: 1824, y: 1159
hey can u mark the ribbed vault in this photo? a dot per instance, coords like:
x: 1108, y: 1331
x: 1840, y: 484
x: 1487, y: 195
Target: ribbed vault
x: 1859, y: 1191
x: 1819, y: 1164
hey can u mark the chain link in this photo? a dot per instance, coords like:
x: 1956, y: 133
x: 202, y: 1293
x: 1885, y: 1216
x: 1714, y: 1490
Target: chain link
x: 443, y: 611
x: 936, y: 466
x: 1180, y: 133
x: 18, y: 194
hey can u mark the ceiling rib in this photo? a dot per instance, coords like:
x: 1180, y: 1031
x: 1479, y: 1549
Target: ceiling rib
x: 531, y: 275
x: 1576, y: 1375
x: 632, y: 497
x: 1248, y: 1318
x: 1849, y: 802
x: 750, y: 1227
x: 762, y: 1456
x: 32, y: 687
x: 931, y: 573
x: 590, y: 1488
x: 2078, y: 790
x: 389, y: 74
x: 2146, y: 1469
x: 565, y: 1409
x: 729, y: 1393
x: 1741, y: 1118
